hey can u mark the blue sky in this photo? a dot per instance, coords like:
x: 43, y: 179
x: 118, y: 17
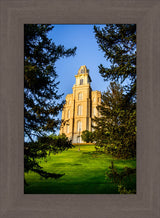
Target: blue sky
x: 88, y: 53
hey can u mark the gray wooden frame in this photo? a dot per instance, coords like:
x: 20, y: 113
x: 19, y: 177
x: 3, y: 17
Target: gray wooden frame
x: 13, y: 15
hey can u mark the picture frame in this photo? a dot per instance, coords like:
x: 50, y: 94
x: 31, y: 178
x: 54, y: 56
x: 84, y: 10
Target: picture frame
x: 13, y: 202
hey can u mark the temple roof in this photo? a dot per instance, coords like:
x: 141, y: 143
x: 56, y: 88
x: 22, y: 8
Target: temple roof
x: 83, y: 69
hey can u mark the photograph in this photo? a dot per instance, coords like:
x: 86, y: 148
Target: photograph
x: 80, y: 101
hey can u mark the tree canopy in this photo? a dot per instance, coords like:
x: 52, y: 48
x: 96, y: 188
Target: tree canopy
x: 41, y: 105
x: 118, y: 43
x: 116, y: 127
x: 41, y: 99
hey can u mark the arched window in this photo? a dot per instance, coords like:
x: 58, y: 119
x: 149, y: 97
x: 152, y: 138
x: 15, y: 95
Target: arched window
x: 82, y: 70
x: 93, y: 124
x: 94, y: 111
x: 94, y: 99
x: 80, y: 96
x: 81, y: 81
x: 78, y: 139
x: 68, y: 114
x: 79, y: 110
x: 67, y: 129
x: 79, y: 126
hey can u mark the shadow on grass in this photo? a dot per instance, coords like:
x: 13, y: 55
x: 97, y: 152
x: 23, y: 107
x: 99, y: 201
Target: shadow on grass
x: 64, y: 164
x: 47, y: 175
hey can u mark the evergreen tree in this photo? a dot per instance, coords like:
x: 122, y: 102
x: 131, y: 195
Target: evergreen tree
x: 117, y: 123
x: 41, y: 98
x: 115, y: 129
x: 41, y: 104
x: 118, y: 42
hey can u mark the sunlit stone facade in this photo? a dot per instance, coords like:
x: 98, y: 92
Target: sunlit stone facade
x: 80, y: 107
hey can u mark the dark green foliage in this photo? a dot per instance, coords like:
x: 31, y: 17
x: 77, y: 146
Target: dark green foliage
x: 40, y: 86
x: 41, y: 99
x: 100, y: 136
x: 87, y: 136
x: 120, y: 178
x: 116, y: 128
x: 41, y: 149
x: 118, y: 42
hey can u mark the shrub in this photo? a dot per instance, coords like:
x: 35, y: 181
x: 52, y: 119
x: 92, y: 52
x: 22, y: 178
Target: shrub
x: 87, y: 136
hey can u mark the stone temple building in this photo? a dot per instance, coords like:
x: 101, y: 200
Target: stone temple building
x: 80, y: 107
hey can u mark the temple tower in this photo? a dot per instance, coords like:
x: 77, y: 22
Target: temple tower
x: 80, y: 107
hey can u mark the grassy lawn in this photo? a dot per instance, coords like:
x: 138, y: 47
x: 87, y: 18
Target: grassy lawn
x: 84, y: 173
